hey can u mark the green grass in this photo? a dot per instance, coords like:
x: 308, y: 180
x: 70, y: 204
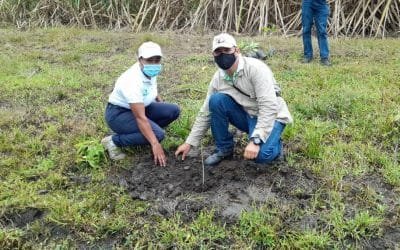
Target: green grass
x: 200, y: 233
x: 259, y: 227
x: 54, y: 86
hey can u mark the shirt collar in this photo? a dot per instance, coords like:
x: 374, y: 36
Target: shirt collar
x: 238, y: 72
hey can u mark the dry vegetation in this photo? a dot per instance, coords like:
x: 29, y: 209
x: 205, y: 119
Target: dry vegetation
x: 376, y: 18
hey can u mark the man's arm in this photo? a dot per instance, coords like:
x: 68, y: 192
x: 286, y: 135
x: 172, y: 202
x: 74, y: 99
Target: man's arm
x: 267, y: 102
x: 202, y: 122
x: 199, y: 128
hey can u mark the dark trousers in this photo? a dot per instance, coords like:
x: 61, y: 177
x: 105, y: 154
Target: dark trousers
x: 123, y: 122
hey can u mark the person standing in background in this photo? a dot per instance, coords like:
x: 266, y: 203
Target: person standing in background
x: 315, y: 12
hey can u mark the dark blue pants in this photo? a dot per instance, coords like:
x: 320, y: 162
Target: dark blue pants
x: 123, y: 122
x: 224, y: 111
x: 315, y: 12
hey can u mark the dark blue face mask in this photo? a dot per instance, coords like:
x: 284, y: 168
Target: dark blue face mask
x: 225, y: 61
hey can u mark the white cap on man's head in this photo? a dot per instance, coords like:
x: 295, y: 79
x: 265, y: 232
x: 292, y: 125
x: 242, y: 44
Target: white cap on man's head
x: 149, y: 49
x: 223, y: 40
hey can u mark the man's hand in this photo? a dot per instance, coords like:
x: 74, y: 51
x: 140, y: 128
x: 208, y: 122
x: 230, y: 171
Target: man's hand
x: 251, y: 151
x: 159, y: 155
x: 183, y: 149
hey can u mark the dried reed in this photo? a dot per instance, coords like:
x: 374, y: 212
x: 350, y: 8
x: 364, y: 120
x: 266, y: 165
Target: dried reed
x: 377, y: 18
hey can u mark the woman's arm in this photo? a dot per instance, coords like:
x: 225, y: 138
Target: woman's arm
x: 138, y: 111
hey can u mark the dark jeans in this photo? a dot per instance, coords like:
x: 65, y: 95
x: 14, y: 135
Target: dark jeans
x: 123, y: 122
x: 317, y: 12
x: 225, y: 110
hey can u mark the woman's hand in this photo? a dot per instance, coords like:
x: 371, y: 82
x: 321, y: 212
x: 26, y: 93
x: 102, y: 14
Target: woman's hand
x: 183, y: 149
x: 159, y: 155
x: 139, y: 113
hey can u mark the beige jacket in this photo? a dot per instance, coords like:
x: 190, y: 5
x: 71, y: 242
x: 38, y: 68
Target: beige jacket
x: 255, y: 79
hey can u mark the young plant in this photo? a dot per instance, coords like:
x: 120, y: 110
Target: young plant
x: 248, y: 47
x: 90, y: 152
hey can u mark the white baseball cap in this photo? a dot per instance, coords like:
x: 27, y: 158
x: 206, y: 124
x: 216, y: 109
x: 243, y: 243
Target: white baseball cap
x: 223, y: 40
x: 149, y: 49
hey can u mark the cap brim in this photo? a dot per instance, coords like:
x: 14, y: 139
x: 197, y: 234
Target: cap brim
x: 148, y: 55
x: 223, y: 45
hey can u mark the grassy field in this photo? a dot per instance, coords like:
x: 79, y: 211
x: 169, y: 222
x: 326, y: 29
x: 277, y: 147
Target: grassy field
x: 55, y: 181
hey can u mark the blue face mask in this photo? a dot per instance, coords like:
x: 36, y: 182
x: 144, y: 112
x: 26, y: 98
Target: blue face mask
x: 152, y: 69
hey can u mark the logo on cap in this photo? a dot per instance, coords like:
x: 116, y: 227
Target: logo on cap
x: 220, y: 40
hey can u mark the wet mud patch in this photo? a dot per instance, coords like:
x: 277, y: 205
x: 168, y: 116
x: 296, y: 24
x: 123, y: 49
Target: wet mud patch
x: 21, y: 218
x: 232, y: 187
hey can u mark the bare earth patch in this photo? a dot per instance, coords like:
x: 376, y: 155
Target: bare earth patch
x: 237, y: 185
x: 21, y: 218
x: 229, y: 188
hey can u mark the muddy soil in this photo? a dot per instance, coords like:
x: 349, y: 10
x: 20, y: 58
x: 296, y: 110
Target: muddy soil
x: 233, y: 186
x: 21, y: 218
x: 238, y: 185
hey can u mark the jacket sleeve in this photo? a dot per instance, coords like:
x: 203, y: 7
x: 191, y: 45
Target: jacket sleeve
x: 264, y: 82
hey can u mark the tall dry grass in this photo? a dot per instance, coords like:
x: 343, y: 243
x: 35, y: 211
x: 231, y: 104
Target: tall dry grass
x: 348, y: 17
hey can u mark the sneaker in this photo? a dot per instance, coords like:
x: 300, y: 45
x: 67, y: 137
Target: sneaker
x: 217, y: 157
x: 307, y: 60
x: 325, y: 62
x: 114, y: 152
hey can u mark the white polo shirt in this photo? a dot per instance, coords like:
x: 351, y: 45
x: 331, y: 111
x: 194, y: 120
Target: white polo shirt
x: 133, y: 87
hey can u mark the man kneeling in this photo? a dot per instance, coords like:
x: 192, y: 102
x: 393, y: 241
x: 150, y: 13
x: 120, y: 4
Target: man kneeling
x: 244, y: 93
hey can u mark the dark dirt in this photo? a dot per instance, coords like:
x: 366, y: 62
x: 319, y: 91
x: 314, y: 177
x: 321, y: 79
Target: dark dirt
x: 21, y: 218
x: 238, y: 185
x: 231, y: 187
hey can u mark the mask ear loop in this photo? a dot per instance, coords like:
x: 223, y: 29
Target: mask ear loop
x: 141, y: 65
